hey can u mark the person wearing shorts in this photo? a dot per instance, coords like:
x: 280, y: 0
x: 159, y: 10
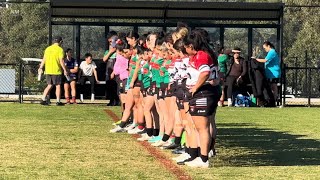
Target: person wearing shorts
x: 54, y: 67
x: 73, y: 66
x: 204, y: 94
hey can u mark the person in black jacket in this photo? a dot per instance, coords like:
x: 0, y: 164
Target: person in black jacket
x: 237, y: 71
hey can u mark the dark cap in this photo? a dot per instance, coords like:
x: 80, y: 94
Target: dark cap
x: 114, y: 41
x: 57, y: 39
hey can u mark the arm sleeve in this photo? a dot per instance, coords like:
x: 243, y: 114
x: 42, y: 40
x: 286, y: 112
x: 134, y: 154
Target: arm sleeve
x: 116, y: 67
x: 202, y: 62
x: 61, y: 55
x: 271, y: 55
x: 76, y: 64
x: 81, y: 65
x: 94, y: 65
x: 244, y: 68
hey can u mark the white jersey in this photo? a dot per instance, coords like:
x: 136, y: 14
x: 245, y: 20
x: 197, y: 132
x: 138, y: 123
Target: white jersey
x: 181, y: 69
x: 172, y: 70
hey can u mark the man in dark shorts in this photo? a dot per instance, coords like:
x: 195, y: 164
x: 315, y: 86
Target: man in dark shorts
x: 54, y: 66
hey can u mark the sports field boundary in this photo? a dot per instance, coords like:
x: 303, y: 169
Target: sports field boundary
x: 160, y: 157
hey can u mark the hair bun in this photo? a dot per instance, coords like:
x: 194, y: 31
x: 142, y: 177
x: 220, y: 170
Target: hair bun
x: 119, y: 42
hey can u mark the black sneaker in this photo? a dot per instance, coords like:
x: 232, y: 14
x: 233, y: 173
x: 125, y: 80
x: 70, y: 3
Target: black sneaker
x: 59, y: 104
x: 178, y: 150
x: 44, y: 103
x: 111, y: 103
x: 172, y: 146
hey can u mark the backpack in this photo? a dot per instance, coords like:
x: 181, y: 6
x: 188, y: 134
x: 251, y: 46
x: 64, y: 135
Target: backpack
x: 242, y: 101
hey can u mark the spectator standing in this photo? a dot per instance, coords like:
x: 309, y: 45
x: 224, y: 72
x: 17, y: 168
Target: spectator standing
x: 110, y: 59
x: 237, y: 71
x: 222, y: 60
x: 272, y: 67
x: 87, y: 72
x: 54, y: 65
x: 73, y: 66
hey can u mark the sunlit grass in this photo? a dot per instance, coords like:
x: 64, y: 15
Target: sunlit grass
x: 73, y: 142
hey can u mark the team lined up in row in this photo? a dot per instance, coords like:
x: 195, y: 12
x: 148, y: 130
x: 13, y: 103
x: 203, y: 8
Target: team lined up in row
x: 169, y: 84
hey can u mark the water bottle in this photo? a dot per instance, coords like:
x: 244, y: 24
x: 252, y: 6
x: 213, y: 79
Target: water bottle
x: 68, y: 78
x: 39, y: 76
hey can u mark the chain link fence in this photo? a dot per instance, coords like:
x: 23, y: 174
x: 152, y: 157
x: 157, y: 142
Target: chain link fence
x: 32, y: 88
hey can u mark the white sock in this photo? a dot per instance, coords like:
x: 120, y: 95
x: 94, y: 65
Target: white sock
x: 58, y: 99
x: 81, y: 97
x: 43, y: 98
x: 92, y: 96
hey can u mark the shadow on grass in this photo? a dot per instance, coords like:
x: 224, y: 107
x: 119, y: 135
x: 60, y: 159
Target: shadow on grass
x: 246, y: 145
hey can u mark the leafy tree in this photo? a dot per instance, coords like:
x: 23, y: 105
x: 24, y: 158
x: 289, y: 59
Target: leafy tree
x: 24, y: 31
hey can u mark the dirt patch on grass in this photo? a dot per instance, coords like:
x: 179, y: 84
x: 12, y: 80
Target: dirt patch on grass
x: 163, y: 159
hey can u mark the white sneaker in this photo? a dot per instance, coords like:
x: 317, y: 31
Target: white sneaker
x: 144, y: 137
x: 229, y: 102
x: 81, y: 98
x: 117, y: 129
x: 181, y: 156
x: 130, y: 127
x: 161, y: 143
x: 92, y: 97
x: 197, y: 162
x: 211, y: 153
x: 136, y: 130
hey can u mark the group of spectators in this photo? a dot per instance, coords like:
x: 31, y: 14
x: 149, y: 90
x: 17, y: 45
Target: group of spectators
x: 57, y: 61
x: 263, y: 74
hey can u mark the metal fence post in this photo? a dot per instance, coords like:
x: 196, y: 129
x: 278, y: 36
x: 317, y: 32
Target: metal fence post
x: 309, y: 87
x: 295, y: 87
x: 284, y: 81
x: 20, y: 82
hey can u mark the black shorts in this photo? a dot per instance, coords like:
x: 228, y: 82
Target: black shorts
x: 274, y: 81
x: 137, y: 83
x: 122, y: 85
x: 153, y: 90
x: 53, y: 79
x: 64, y: 80
x: 204, y: 102
x: 171, y: 90
x: 180, y: 93
x: 146, y: 92
x: 162, y: 91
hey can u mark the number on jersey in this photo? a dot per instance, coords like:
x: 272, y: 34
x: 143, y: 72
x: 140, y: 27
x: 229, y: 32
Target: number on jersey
x: 214, y: 72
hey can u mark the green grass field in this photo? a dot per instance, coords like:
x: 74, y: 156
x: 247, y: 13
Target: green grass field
x: 73, y: 142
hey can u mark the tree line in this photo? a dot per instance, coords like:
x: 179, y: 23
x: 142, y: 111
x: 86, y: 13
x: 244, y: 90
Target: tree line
x: 24, y: 32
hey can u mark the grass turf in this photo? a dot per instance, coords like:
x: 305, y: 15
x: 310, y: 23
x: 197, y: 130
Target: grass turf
x: 73, y: 142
